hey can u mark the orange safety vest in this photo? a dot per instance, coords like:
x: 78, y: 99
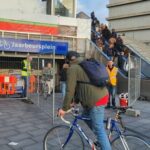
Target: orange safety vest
x: 112, y: 75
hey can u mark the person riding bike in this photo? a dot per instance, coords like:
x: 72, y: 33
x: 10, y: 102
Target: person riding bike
x: 92, y: 98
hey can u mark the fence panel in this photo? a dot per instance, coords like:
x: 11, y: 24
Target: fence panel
x: 134, y: 79
x: 11, y: 83
x: 45, y: 83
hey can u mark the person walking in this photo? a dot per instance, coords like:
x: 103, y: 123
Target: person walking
x: 112, y: 83
x: 63, y: 78
x: 48, y: 77
x: 92, y: 98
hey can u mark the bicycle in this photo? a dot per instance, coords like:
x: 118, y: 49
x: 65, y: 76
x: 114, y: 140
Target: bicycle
x: 45, y: 89
x: 64, y: 137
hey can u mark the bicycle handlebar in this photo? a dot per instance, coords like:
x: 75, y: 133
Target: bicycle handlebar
x: 71, y: 110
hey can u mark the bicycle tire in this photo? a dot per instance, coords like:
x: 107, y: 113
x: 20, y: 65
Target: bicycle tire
x: 56, y: 137
x: 133, y: 142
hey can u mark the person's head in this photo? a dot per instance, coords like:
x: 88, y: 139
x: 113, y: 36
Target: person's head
x: 49, y: 65
x: 110, y: 63
x: 72, y: 56
x: 29, y: 58
x: 65, y: 66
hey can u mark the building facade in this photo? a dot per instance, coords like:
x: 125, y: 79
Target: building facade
x: 131, y: 17
x: 27, y: 26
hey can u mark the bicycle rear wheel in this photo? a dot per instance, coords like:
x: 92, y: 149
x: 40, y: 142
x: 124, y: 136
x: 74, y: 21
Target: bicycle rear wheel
x: 57, y: 137
x: 133, y: 143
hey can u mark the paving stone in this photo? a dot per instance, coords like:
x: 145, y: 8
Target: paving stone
x: 37, y: 132
x: 5, y: 147
x: 19, y: 137
x: 39, y: 138
x: 26, y: 129
x: 38, y: 146
x: 6, y: 128
x: 24, y: 125
x: 23, y: 143
x: 8, y: 133
x: 4, y: 141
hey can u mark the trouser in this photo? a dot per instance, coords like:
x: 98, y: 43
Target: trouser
x: 50, y: 86
x: 96, y: 123
x: 25, y: 88
x: 63, y: 88
x: 112, y: 95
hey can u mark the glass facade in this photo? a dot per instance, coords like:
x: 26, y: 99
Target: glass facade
x: 64, y: 8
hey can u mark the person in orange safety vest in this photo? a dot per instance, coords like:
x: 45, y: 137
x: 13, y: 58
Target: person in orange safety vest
x: 112, y: 83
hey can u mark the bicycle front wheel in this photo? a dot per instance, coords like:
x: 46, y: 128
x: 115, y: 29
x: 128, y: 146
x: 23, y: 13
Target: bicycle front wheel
x: 130, y: 142
x: 60, y: 138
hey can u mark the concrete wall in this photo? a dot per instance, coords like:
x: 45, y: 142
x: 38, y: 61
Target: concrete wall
x: 145, y: 34
x: 130, y: 23
x: 130, y: 18
x: 129, y: 9
x: 23, y: 6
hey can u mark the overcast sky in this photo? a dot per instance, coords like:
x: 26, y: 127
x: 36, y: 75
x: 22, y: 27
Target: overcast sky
x: 98, y: 6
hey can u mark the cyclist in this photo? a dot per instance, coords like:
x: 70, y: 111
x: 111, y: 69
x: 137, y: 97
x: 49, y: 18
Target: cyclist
x: 47, y: 75
x: 92, y: 98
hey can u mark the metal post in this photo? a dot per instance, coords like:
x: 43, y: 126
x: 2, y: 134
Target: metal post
x: 129, y: 79
x: 53, y: 86
x: 38, y: 81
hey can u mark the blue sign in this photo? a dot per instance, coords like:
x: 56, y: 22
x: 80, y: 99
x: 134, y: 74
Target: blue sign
x: 33, y: 46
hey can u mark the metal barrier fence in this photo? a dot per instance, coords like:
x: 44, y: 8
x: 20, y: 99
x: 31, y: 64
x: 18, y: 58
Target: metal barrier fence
x: 133, y: 68
x: 12, y: 67
x: 134, y: 78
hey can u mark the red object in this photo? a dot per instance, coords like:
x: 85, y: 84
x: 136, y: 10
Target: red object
x: 102, y: 101
x: 123, y: 102
x: 35, y: 28
x: 1, y: 83
x: 11, y: 88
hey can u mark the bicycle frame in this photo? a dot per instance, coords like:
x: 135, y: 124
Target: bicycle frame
x: 113, y: 128
x: 74, y: 124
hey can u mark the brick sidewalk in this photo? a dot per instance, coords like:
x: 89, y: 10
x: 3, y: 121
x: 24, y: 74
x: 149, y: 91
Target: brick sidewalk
x: 26, y: 124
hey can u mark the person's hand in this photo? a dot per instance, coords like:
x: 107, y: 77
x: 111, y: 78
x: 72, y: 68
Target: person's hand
x: 61, y: 113
x: 73, y: 104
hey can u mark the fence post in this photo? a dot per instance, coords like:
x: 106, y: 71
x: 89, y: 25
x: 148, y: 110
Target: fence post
x: 53, y: 86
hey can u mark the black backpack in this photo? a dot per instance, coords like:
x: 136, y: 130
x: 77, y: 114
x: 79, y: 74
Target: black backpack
x: 95, y: 71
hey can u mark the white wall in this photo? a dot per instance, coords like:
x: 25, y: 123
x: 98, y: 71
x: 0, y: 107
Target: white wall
x: 143, y: 35
x: 23, y: 6
x: 134, y: 22
x: 129, y: 9
x: 137, y: 22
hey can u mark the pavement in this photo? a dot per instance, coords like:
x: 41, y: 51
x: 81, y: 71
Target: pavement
x: 23, y: 126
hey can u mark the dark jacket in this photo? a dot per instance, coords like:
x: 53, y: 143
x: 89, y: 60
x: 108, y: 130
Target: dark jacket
x: 87, y: 94
x: 63, y: 74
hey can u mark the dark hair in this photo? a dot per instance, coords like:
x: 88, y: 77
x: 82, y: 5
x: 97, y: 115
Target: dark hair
x: 71, y: 54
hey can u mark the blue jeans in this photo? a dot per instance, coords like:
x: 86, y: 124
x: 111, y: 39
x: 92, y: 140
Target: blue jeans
x: 63, y: 88
x: 112, y: 95
x: 96, y: 114
x: 26, y: 85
